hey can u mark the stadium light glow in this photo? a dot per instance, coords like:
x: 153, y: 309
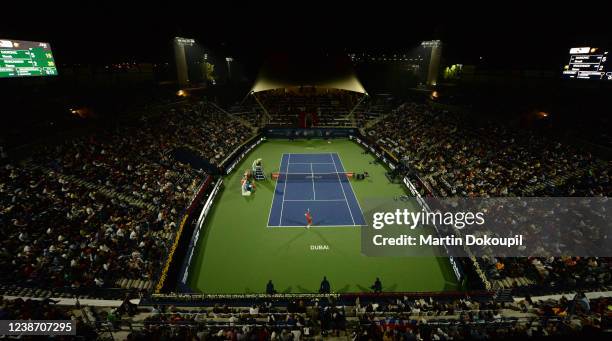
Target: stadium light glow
x: 431, y: 43
x: 184, y: 41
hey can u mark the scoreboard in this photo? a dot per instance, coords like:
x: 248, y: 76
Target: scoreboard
x: 26, y: 58
x: 588, y: 63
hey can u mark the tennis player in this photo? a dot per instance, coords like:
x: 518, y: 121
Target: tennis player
x: 308, y: 219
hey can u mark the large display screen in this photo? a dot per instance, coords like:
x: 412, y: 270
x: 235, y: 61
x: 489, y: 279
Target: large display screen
x: 26, y: 58
x: 588, y: 63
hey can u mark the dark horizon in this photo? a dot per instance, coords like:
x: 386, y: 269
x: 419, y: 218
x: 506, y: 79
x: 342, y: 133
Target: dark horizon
x: 110, y: 33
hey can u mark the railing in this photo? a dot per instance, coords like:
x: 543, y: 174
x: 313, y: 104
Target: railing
x: 39, y: 291
x: 391, y: 161
x: 184, y: 273
x: 246, y: 300
x: 169, y: 260
x: 212, y: 297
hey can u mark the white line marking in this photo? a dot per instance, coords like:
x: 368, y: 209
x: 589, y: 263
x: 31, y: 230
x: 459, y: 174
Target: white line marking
x: 309, y: 173
x: 280, y: 220
x: 314, y: 194
x: 274, y: 196
x: 352, y: 190
x: 302, y: 226
x: 345, y: 198
x: 308, y: 163
x: 315, y: 200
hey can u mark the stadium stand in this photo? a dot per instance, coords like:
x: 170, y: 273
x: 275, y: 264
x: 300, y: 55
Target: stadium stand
x: 329, y: 110
x: 389, y: 318
x: 452, y: 158
x: 100, y: 211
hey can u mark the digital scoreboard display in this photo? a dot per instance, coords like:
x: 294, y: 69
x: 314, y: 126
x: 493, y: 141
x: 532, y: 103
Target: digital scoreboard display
x: 588, y: 63
x: 26, y: 58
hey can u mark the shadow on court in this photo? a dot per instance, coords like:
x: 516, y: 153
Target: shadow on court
x: 303, y: 290
x: 326, y: 242
x: 287, y: 245
x: 362, y: 288
x: 344, y: 289
x: 267, y: 184
x: 391, y: 288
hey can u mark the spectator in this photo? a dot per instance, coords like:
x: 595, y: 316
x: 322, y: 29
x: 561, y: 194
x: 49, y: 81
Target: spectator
x: 325, y: 287
x: 270, y: 288
x: 377, y: 287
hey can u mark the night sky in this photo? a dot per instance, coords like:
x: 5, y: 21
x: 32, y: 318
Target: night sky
x: 512, y: 35
x: 508, y: 36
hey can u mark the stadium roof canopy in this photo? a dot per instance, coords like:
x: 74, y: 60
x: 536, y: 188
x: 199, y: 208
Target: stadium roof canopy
x: 292, y: 70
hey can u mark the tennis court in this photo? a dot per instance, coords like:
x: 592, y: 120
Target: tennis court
x: 238, y: 253
x: 315, y: 182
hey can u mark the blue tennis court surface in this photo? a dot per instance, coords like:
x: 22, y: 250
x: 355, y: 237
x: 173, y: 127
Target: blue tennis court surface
x: 317, y: 182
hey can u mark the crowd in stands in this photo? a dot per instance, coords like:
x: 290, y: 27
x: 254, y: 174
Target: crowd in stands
x: 20, y: 309
x: 95, y: 209
x: 552, y: 274
x: 99, y: 208
x: 384, y: 318
x: 311, y: 109
x: 46, y: 309
x: 293, y: 108
x: 460, y: 319
x: 451, y: 157
x: 206, y: 130
x: 455, y: 158
x: 258, y: 322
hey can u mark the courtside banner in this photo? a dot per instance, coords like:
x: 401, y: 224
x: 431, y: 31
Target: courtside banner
x: 494, y: 227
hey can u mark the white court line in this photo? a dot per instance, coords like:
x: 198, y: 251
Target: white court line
x: 315, y: 200
x: 302, y: 226
x: 312, y: 163
x: 345, y: 198
x: 352, y: 190
x: 274, y: 196
x: 314, y: 194
x: 280, y: 220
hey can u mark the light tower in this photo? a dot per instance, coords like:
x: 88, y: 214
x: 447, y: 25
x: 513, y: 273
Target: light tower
x: 229, y: 61
x: 434, y: 60
x: 181, y: 59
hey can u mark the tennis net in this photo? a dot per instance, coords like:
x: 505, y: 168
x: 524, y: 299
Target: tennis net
x: 309, y: 177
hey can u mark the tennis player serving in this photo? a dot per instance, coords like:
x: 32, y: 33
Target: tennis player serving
x: 308, y: 219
